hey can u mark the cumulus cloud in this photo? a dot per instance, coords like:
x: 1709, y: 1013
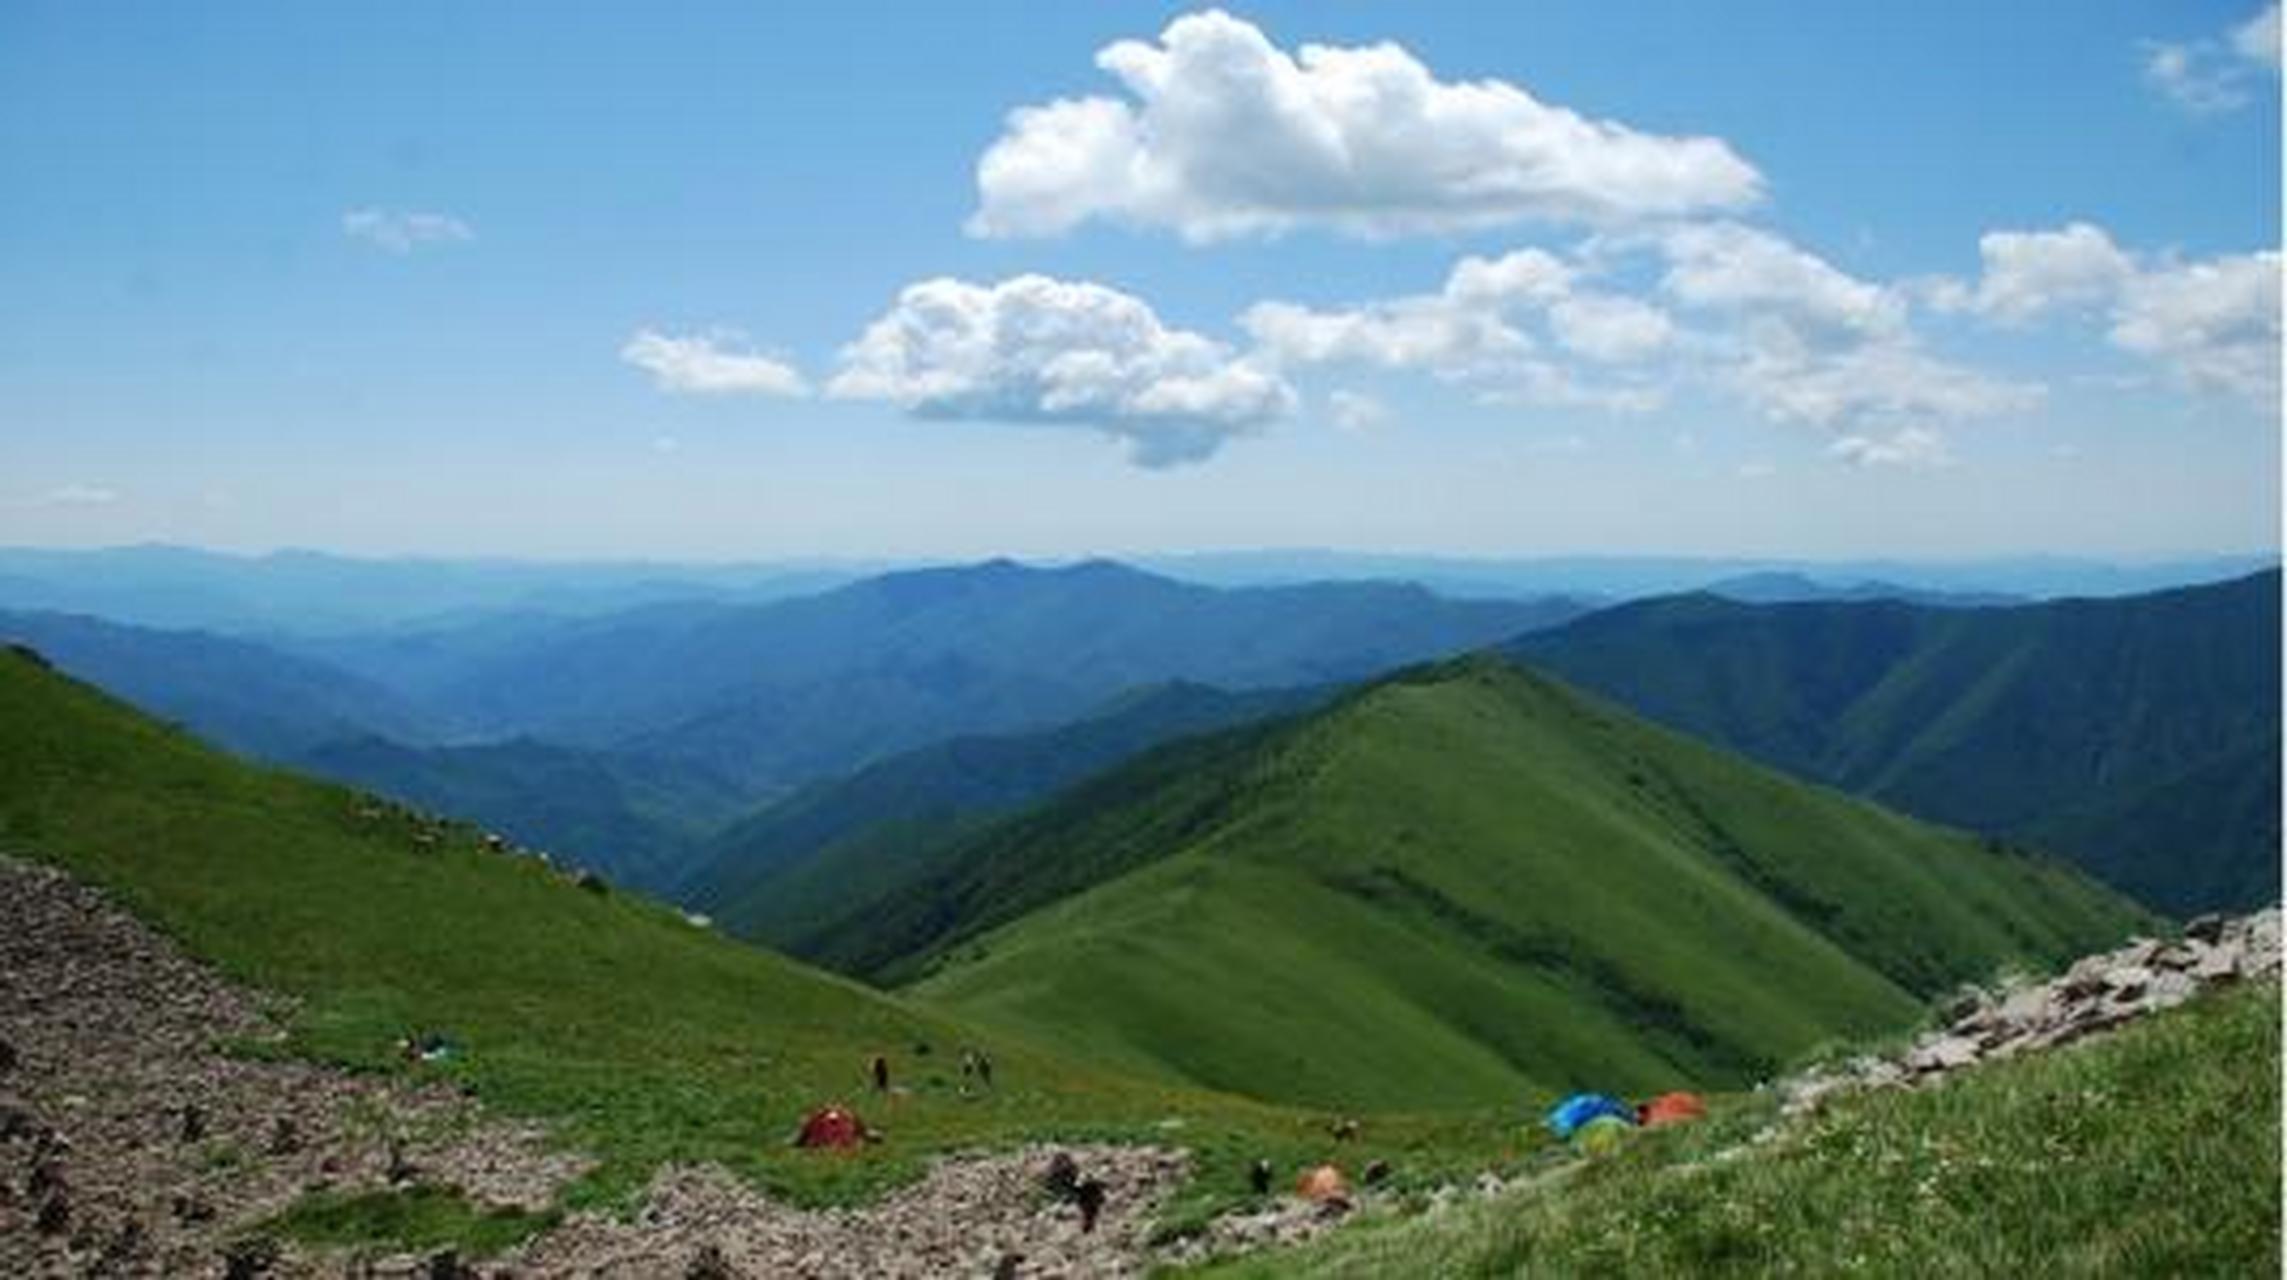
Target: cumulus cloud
x: 1043, y: 351
x: 1473, y: 331
x: 1866, y: 384
x: 1356, y: 412
x: 1913, y: 448
x: 710, y: 364
x: 2213, y: 322
x: 1806, y: 342
x: 1726, y: 266
x: 2030, y: 272
x: 1610, y: 328
x: 2217, y: 74
x: 404, y: 231
x: 1224, y: 134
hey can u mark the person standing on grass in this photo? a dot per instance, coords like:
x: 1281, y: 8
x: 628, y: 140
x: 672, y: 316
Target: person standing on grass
x: 881, y: 1073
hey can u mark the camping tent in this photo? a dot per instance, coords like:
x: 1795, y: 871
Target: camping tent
x: 831, y: 1127
x: 1566, y: 1117
x: 1671, y: 1108
x: 1323, y: 1184
x: 1602, y: 1135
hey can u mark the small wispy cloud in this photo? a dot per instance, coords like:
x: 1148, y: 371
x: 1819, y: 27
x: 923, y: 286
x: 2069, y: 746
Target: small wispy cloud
x: 2217, y: 74
x: 78, y: 495
x: 403, y: 231
x: 1912, y: 449
x: 1355, y: 411
x: 717, y: 363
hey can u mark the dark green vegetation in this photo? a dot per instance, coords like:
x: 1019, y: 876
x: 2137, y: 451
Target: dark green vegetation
x: 785, y: 874
x: 237, y: 694
x: 635, y: 820
x: 1457, y: 886
x: 2139, y: 736
x: 639, y: 1038
x: 2154, y: 1151
x: 420, y: 1217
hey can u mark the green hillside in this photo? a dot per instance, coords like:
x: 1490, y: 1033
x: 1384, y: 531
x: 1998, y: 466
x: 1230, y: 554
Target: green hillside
x: 635, y: 820
x: 640, y: 1038
x: 2150, y: 1152
x: 781, y: 875
x: 1458, y: 885
x: 2138, y: 735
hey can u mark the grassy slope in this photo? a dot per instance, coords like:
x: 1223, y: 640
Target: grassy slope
x: 2139, y: 735
x: 832, y: 847
x: 634, y: 820
x: 2151, y: 1152
x: 641, y: 1038
x: 1463, y: 885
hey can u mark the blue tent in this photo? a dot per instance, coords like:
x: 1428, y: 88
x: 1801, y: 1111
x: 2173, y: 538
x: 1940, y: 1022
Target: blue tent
x: 1566, y: 1117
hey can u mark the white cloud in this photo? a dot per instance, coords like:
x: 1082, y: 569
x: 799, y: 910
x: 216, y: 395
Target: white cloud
x: 2215, y: 75
x: 1470, y: 331
x: 2213, y: 322
x: 1726, y: 266
x: 78, y: 495
x: 1913, y: 448
x: 1810, y: 343
x: 710, y: 364
x: 1224, y: 134
x: 404, y: 231
x: 1867, y: 384
x: 1610, y: 328
x: 1356, y: 412
x: 2030, y: 272
x: 1037, y: 350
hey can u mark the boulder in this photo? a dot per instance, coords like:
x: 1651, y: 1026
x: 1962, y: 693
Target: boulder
x: 2208, y: 928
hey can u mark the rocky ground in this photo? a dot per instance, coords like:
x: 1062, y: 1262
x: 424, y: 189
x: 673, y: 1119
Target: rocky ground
x: 133, y: 1143
x: 2099, y: 992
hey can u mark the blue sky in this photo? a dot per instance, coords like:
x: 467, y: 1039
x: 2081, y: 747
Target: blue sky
x: 756, y: 280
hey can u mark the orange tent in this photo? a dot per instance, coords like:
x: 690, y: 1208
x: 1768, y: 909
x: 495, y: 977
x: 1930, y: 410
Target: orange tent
x: 1323, y: 1184
x: 1671, y: 1108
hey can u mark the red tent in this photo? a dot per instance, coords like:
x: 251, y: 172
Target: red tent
x: 831, y: 1127
x: 1671, y: 1108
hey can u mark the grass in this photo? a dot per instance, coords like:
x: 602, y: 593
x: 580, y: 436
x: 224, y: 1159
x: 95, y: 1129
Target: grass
x: 637, y: 1038
x: 2153, y: 1151
x: 1472, y: 887
x: 416, y: 1218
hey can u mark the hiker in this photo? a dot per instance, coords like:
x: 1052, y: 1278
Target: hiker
x: 1089, y: 1196
x: 985, y: 1068
x: 881, y: 1073
x: 1259, y: 1177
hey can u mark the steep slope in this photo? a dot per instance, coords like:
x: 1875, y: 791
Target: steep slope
x: 235, y: 693
x: 2140, y: 734
x: 641, y: 1039
x: 783, y: 873
x: 633, y: 820
x: 780, y: 694
x: 1454, y: 885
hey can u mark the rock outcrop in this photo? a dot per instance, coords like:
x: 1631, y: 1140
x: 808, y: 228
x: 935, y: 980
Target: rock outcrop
x: 2097, y: 993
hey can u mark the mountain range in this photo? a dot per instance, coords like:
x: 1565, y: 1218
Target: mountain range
x: 2139, y: 735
